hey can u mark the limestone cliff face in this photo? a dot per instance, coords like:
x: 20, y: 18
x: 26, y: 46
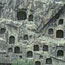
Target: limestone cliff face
x: 32, y: 30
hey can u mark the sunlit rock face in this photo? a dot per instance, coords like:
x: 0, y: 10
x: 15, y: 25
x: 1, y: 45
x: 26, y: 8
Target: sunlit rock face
x: 32, y: 31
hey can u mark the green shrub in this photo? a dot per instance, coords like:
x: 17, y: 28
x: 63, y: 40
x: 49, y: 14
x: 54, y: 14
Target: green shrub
x: 23, y: 62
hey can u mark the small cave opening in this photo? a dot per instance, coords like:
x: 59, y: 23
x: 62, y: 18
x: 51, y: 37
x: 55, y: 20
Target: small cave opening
x: 48, y: 61
x: 30, y: 18
x: 21, y: 15
x: 36, y: 47
x: 16, y: 49
x: 37, y: 63
x: 59, y: 34
x: 60, y: 22
x: 60, y: 53
x: 29, y: 54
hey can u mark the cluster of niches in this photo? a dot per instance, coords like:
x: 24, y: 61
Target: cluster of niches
x: 36, y: 48
x: 22, y: 15
x: 30, y: 53
x: 59, y: 32
x: 58, y: 53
